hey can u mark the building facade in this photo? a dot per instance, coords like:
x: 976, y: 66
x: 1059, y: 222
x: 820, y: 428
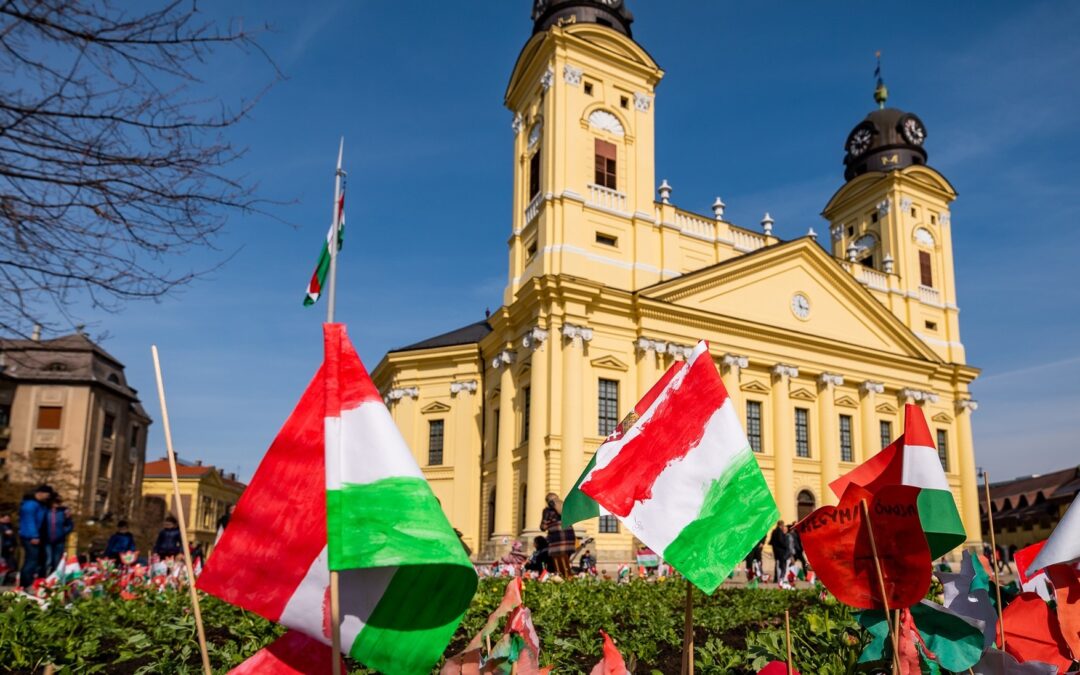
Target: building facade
x: 820, y: 343
x: 69, y: 417
x: 1027, y: 509
x: 206, y: 494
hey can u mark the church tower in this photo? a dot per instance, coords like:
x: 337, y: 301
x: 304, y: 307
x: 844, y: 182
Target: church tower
x: 891, y: 217
x: 581, y: 95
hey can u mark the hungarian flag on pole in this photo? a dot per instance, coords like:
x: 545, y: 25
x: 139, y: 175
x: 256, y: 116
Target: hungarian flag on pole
x: 318, y: 277
x: 913, y: 460
x: 683, y: 479
x: 339, y: 488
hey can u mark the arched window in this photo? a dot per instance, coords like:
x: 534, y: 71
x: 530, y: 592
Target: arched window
x: 491, y: 513
x: 57, y: 367
x: 806, y: 503
x: 524, y: 496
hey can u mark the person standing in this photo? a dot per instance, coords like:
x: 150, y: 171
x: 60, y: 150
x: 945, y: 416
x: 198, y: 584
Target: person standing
x: 58, y: 525
x: 561, y: 541
x: 121, y: 541
x: 797, y: 552
x: 7, y: 548
x: 168, y: 544
x: 779, y: 541
x: 31, y: 524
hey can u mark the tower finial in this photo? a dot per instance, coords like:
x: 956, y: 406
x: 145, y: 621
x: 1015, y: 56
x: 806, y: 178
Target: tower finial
x: 881, y: 92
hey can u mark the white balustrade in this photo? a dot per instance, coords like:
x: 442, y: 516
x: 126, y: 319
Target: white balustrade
x: 873, y: 278
x: 606, y: 198
x: 533, y: 209
x: 695, y: 225
x: 930, y: 296
x: 747, y: 241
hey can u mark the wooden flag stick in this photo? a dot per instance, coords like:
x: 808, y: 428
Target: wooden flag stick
x: 881, y: 581
x: 787, y: 631
x: 180, y: 516
x: 993, y: 547
x: 688, y: 631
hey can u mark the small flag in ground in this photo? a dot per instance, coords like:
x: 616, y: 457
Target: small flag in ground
x: 612, y: 663
x: 1033, y: 632
x: 318, y: 277
x: 291, y: 654
x: 684, y: 480
x: 1037, y: 581
x: 913, y: 460
x: 1064, y: 543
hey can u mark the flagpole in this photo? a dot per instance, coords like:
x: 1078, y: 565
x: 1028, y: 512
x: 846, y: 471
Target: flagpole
x: 787, y: 631
x: 881, y: 581
x: 180, y: 517
x: 335, y: 604
x: 688, y: 631
x: 993, y: 547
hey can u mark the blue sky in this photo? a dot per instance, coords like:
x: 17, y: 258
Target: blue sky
x: 757, y: 102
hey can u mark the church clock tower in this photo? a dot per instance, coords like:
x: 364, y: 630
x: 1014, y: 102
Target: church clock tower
x: 581, y: 94
x: 891, y: 218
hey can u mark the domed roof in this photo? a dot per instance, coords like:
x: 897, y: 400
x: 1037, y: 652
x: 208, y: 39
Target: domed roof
x: 888, y: 139
x: 610, y: 13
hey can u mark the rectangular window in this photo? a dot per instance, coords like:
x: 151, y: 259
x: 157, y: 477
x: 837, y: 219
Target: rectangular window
x: 609, y: 525
x: 943, y: 448
x: 588, y: 88
x: 606, y: 239
x: 931, y: 325
x: 847, y: 452
x: 435, y: 442
x: 44, y: 459
x: 135, y: 436
x: 802, y: 432
x: 104, y: 465
x: 605, y: 164
x: 109, y: 426
x: 534, y: 174
x: 886, y: 434
x: 753, y: 425
x: 608, y: 406
x: 531, y: 251
x: 48, y: 417
x: 527, y: 393
x: 926, y: 273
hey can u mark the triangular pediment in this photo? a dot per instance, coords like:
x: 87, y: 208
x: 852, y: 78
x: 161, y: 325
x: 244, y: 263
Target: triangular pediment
x: 802, y: 394
x: 609, y: 362
x: 435, y: 407
x: 794, y: 288
x: 886, y: 409
x: 942, y: 417
x: 754, y: 386
x: 847, y: 402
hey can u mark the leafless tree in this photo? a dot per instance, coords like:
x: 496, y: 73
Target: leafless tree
x: 114, y: 157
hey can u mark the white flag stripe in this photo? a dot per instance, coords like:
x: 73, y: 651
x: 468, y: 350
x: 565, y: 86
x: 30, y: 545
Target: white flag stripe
x: 376, y: 448
x: 922, y: 468
x: 1064, y: 543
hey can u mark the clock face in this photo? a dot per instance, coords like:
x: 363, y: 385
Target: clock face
x: 611, y: 3
x: 859, y: 141
x: 913, y: 130
x: 800, y: 306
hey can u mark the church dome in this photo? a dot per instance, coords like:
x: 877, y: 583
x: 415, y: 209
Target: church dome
x: 888, y: 139
x: 610, y: 13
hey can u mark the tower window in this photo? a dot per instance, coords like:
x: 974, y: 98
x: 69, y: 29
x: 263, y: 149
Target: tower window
x: 608, y: 407
x: 933, y: 220
x: 532, y: 249
x: 753, y: 425
x: 851, y: 231
x: 802, y: 432
x: 534, y: 174
x: 606, y: 239
x: 847, y: 453
x: 873, y: 217
x: 588, y: 88
x: 868, y: 261
x: 926, y: 273
x: 914, y: 213
x: 605, y: 164
x: 624, y: 102
x: 930, y: 325
x: 435, y: 442
x: 527, y: 391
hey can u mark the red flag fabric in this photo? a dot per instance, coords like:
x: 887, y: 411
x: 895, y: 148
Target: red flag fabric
x: 908, y: 654
x: 291, y: 654
x: 837, y: 543
x: 1033, y: 633
x: 1066, y: 582
x: 776, y: 668
x: 612, y: 663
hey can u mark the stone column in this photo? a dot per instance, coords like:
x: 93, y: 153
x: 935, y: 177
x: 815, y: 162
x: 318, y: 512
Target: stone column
x: 733, y: 365
x: 538, y: 417
x: 828, y: 437
x: 965, y: 453
x: 573, y: 431
x: 783, y: 438
x: 648, y: 352
x: 871, y: 431
x: 504, y: 449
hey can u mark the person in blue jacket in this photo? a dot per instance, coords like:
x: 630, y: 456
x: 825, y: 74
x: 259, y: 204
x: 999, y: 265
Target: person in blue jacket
x: 120, y: 541
x: 58, y: 525
x: 31, y: 523
x: 168, y: 542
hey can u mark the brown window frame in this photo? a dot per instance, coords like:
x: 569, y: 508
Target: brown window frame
x: 606, y: 173
x: 926, y: 270
x: 534, y: 174
x: 46, y: 422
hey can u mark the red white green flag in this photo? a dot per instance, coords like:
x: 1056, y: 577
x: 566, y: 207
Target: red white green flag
x: 322, y: 268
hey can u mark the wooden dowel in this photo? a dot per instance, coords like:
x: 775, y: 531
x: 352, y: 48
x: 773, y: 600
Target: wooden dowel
x: 993, y: 547
x: 787, y: 630
x: 688, y: 631
x: 335, y: 623
x: 181, y: 518
x: 881, y: 582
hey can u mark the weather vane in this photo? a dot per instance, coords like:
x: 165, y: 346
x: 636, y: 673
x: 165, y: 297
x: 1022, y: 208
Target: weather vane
x: 881, y: 92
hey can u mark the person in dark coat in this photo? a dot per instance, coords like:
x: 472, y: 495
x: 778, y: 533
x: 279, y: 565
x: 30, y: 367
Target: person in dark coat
x: 31, y: 524
x: 562, y: 542
x: 797, y: 552
x: 58, y: 525
x: 540, y: 560
x: 168, y: 544
x: 753, y: 561
x: 121, y: 541
x: 8, y: 543
x: 780, y: 543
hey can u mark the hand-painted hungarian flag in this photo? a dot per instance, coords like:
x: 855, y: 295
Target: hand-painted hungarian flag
x: 578, y: 506
x: 684, y: 480
x: 339, y: 489
x: 913, y: 460
x: 1064, y: 543
x: 612, y: 663
x: 318, y: 277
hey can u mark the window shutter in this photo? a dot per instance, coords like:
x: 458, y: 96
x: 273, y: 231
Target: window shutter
x: 605, y: 164
x: 925, y: 271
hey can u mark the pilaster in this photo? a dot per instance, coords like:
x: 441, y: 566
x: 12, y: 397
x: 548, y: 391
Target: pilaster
x: 868, y: 417
x: 732, y: 366
x: 536, y: 339
x: 783, y: 440
x: 828, y: 438
x: 573, y: 436
x: 504, y: 457
x: 969, y: 489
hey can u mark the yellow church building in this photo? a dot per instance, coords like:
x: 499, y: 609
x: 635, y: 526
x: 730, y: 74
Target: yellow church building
x: 820, y: 342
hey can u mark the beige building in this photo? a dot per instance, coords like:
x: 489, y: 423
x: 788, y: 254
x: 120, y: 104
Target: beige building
x: 69, y: 417
x: 820, y: 340
x: 206, y: 494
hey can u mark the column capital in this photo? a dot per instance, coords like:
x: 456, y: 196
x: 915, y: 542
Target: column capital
x: 534, y: 338
x: 503, y: 358
x: 831, y: 379
x: 918, y: 395
x: 871, y: 387
x: 966, y: 405
x: 571, y: 331
x: 680, y: 351
x: 785, y: 370
x: 645, y: 344
x: 398, y: 393
x: 465, y: 386
x: 735, y: 361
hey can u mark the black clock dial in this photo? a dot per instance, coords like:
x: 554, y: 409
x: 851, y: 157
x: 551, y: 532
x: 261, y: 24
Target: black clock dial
x: 912, y: 129
x: 859, y: 140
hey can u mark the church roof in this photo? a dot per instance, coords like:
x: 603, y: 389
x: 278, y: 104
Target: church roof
x: 466, y: 335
